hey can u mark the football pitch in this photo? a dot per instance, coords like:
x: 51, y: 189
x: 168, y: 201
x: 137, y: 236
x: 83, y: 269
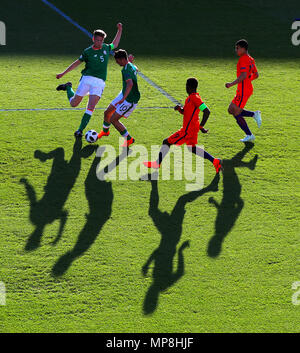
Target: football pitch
x: 80, y: 254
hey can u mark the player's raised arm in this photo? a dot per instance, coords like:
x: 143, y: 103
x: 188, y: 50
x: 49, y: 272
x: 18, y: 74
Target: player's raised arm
x: 117, y: 38
x: 70, y: 68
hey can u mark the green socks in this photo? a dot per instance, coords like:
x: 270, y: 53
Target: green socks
x: 125, y: 134
x: 85, y: 119
x: 70, y: 92
x: 105, y: 126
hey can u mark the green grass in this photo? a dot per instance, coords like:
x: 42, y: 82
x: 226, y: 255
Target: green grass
x: 100, y: 287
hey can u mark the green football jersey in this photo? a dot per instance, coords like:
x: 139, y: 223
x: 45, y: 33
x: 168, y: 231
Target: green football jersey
x: 129, y: 72
x: 96, y: 61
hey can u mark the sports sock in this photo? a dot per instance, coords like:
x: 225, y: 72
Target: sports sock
x: 105, y: 126
x: 242, y: 124
x: 246, y: 113
x: 125, y: 134
x: 200, y: 152
x: 85, y: 119
x: 70, y: 93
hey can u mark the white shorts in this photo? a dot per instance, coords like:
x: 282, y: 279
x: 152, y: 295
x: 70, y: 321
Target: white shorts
x: 124, y: 109
x: 90, y: 85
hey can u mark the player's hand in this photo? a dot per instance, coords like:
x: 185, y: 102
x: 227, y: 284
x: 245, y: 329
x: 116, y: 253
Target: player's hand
x: 130, y: 58
x: 58, y: 76
x: 204, y: 131
x: 119, y: 26
x: 177, y: 107
x: 228, y: 84
x: 120, y: 102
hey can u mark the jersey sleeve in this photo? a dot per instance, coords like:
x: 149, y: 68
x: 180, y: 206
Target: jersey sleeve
x: 254, y: 69
x: 82, y: 56
x: 128, y: 74
x: 197, y: 101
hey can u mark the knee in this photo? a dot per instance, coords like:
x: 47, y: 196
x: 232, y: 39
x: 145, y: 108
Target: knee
x: 107, y: 115
x: 74, y: 103
x: 230, y: 111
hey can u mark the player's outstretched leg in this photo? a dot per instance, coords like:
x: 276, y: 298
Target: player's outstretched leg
x: 161, y: 155
x: 238, y: 114
x: 84, y: 121
x: 128, y: 140
x: 255, y: 115
x: 93, y: 100
x: 106, y: 122
x: 217, y: 163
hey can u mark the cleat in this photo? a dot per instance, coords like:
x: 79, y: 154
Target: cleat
x: 127, y: 143
x: 248, y: 138
x: 102, y: 133
x: 257, y: 118
x: 153, y: 164
x: 63, y: 87
x: 217, y: 164
x: 78, y: 133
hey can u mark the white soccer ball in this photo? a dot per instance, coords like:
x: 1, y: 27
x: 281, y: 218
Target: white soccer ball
x: 91, y: 136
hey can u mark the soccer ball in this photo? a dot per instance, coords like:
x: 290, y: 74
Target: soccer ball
x: 91, y: 136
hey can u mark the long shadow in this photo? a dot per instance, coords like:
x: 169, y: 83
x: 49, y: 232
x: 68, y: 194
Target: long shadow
x: 99, y: 194
x: 170, y: 227
x: 59, y: 185
x: 232, y: 204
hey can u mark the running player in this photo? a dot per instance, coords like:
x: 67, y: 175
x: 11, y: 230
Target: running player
x: 94, y: 74
x: 189, y: 132
x: 246, y: 72
x: 126, y: 102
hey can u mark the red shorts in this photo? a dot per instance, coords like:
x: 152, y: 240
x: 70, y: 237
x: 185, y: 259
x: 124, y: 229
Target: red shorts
x: 241, y: 97
x: 181, y: 136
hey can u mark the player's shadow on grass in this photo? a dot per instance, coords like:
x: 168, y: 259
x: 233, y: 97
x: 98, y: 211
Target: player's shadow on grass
x: 59, y: 185
x: 170, y: 227
x: 99, y: 194
x: 232, y: 204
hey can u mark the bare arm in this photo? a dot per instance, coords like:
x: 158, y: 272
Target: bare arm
x: 206, y: 113
x: 241, y: 78
x: 117, y: 38
x: 127, y: 91
x: 70, y: 68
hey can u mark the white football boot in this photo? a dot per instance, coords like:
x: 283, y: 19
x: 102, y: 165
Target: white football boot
x: 257, y: 118
x: 248, y: 138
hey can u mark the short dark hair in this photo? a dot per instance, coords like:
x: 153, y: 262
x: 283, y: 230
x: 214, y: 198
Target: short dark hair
x: 99, y: 33
x: 121, y: 54
x: 192, y: 82
x: 242, y: 43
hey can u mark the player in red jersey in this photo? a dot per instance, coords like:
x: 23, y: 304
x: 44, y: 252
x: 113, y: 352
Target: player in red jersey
x: 189, y: 132
x: 246, y: 73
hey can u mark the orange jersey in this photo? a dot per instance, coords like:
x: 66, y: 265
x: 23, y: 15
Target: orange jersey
x: 246, y: 64
x: 191, y: 113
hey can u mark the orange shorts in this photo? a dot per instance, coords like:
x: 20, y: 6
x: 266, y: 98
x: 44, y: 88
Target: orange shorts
x: 241, y: 97
x: 181, y: 136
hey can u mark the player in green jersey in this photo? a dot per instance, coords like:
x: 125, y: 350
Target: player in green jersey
x: 126, y: 102
x: 93, y: 78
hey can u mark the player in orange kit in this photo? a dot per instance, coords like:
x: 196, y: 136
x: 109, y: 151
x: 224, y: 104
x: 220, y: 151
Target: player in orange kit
x: 246, y: 73
x: 189, y: 132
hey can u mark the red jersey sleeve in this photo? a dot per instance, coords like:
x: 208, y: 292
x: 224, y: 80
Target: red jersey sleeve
x: 196, y: 99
